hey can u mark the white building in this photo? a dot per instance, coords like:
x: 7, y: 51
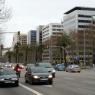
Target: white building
x: 50, y: 29
x: 49, y: 35
x: 39, y: 35
x: 79, y: 20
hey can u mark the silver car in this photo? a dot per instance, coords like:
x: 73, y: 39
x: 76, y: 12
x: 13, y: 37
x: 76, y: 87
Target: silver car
x: 73, y: 68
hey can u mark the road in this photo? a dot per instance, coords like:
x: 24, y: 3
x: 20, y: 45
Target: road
x: 64, y: 84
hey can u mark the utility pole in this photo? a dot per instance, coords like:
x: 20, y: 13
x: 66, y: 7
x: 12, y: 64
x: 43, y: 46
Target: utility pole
x: 84, y: 50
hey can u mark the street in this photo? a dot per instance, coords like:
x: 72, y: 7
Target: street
x: 65, y: 83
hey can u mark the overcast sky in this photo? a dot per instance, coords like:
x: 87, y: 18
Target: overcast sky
x: 28, y: 14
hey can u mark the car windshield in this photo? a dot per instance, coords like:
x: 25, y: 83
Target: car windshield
x: 6, y: 72
x: 46, y: 65
x: 39, y: 70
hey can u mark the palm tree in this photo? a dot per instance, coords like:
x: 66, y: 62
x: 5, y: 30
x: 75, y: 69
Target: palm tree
x: 25, y: 48
x: 39, y: 50
x: 63, y: 42
x: 9, y: 55
x: 16, y: 50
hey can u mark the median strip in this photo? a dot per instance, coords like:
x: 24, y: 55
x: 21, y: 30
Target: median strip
x: 31, y: 90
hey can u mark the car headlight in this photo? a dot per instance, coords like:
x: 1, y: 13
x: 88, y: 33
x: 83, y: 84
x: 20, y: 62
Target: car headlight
x: 50, y: 76
x: 36, y: 77
x: 14, y: 79
x: 53, y: 71
x: 1, y: 79
x: 13, y: 68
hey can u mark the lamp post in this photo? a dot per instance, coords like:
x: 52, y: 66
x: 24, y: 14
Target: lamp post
x: 84, y: 56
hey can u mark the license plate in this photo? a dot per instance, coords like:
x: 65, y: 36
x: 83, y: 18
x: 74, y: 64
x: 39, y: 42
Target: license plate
x: 9, y: 82
x: 43, y: 79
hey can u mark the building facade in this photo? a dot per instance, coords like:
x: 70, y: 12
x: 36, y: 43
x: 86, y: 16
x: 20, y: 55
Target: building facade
x: 80, y: 22
x: 39, y: 35
x: 32, y: 37
x: 50, y: 34
x: 21, y: 38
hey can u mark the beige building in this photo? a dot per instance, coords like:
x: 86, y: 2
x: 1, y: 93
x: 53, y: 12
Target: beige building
x: 22, y: 38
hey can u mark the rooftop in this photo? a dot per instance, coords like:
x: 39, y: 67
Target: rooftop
x: 80, y: 8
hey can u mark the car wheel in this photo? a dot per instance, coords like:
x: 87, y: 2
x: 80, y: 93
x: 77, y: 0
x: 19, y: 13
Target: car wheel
x: 50, y: 82
x: 16, y: 84
x: 26, y: 81
x: 32, y: 82
x: 66, y: 70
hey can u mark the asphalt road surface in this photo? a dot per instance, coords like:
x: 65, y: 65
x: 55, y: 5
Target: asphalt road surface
x: 65, y: 83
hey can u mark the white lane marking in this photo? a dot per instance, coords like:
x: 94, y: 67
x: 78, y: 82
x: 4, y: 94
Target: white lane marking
x: 48, y: 86
x: 31, y: 90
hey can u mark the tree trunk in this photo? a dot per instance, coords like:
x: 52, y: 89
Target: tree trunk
x: 26, y: 53
x: 61, y: 55
x: 65, y: 61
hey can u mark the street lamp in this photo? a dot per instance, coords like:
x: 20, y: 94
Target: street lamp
x: 84, y: 57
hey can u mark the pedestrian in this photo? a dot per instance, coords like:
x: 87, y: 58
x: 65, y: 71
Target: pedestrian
x: 18, y: 70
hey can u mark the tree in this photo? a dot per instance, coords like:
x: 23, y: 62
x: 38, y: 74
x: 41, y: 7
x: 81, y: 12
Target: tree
x: 5, y: 14
x: 63, y: 42
x: 16, y: 49
x: 24, y: 49
x: 9, y: 55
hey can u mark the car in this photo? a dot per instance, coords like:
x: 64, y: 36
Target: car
x: 49, y: 67
x: 60, y: 67
x: 73, y: 68
x: 37, y: 75
x: 29, y: 65
x: 8, y: 76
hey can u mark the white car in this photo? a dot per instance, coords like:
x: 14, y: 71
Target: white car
x: 73, y: 68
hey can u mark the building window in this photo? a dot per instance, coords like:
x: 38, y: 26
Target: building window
x: 83, y: 26
x: 87, y: 16
x: 84, y: 21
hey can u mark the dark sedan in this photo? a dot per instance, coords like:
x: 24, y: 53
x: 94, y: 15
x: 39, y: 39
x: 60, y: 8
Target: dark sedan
x: 8, y: 76
x: 49, y: 67
x: 38, y: 74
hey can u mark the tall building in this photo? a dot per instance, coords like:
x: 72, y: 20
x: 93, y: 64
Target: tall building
x: 39, y: 34
x: 32, y: 37
x: 21, y: 38
x: 80, y: 21
x: 50, y: 33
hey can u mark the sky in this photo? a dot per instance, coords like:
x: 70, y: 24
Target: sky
x: 28, y: 14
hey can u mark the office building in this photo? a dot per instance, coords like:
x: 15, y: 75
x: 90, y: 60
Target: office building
x: 39, y: 35
x: 21, y: 38
x: 50, y: 33
x: 80, y: 22
x: 32, y: 37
